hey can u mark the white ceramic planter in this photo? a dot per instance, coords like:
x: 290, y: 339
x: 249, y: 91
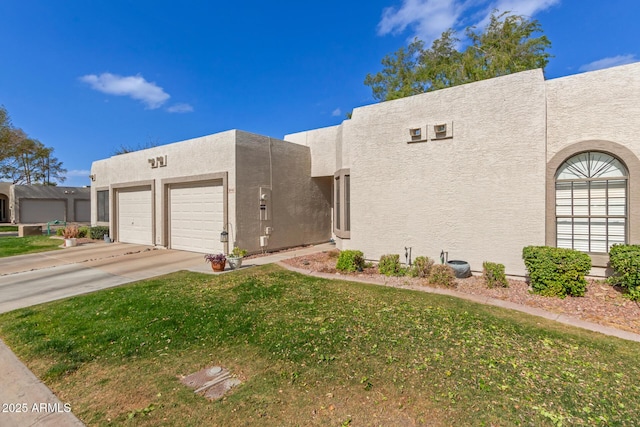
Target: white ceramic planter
x: 68, y: 243
x: 234, y: 262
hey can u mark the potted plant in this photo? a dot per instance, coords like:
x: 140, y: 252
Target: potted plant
x: 235, y: 257
x: 217, y: 261
x: 70, y: 234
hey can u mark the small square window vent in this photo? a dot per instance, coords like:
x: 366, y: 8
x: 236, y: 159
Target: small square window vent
x: 440, y: 129
x: 415, y: 132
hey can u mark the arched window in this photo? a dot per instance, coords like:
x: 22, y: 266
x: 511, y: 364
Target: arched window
x: 591, y: 202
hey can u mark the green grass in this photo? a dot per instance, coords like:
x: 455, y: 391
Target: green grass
x: 10, y: 246
x: 313, y: 351
x: 8, y: 228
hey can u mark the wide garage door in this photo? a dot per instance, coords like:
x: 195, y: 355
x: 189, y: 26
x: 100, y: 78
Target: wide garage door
x: 36, y: 210
x: 196, y: 217
x: 135, y: 208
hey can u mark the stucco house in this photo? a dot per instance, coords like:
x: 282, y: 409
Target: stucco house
x: 478, y: 171
x: 39, y: 204
x: 257, y: 189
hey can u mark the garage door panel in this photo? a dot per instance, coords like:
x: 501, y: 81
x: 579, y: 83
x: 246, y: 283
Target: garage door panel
x: 196, y: 217
x: 135, y: 210
x: 37, y: 210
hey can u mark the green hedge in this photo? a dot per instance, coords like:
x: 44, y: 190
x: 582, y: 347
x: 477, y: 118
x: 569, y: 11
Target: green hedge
x: 556, y: 271
x: 98, y: 232
x: 625, y: 261
x: 350, y: 261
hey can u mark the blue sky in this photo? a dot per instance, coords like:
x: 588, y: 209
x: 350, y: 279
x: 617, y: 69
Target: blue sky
x: 87, y: 77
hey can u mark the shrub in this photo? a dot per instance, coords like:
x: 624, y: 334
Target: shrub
x: 625, y: 261
x: 442, y: 275
x: 60, y: 232
x: 556, y: 271
x: 493, y: 275
x: 98, y: 232
x: 238, y: 253
x: 389, y: 265
x: 83, y: 231
x: 350, y: 261
x: 421, y: 267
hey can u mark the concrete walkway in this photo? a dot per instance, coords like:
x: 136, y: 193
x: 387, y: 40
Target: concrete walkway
x: 87, y: 268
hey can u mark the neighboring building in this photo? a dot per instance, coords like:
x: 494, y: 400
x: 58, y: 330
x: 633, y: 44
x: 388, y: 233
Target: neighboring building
x: 5, y: 191
x: 38, y: 204
x: 479, y: 171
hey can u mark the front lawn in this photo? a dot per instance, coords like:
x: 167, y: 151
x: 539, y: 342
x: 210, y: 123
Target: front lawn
x: 13, y: 228
x: 10, y: 246
x: 312, y: 351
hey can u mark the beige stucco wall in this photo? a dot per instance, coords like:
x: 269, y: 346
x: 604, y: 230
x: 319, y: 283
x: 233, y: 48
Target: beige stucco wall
x: 599, y: 105
x: 479, y: 195
x: 324, y: 143
x: 299, y: 207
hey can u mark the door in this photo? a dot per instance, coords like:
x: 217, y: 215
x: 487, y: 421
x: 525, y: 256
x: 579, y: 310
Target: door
x: 135, y: 216
x: 196, y: 217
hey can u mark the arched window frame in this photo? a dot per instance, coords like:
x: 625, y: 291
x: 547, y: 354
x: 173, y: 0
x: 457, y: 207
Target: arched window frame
x: 591, y: 202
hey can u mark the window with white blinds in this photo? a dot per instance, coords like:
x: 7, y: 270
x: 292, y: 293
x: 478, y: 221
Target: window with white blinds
x: 591, y: 202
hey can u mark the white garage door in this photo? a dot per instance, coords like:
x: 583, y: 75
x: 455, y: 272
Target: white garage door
x: 35, y: 210
x: 196, y: 217
x: 135, y: 216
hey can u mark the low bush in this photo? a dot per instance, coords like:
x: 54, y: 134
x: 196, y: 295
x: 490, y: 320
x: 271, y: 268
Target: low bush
x: 350, y: 261
x: 98, y: 232
x: 493, y: 275
x: 442, y: 275
x: 625, y: 261
x: 60, y: 231
x: 389, y: 265
x: 83, y: 231
x: 421, y: 267
x: 556, y: 271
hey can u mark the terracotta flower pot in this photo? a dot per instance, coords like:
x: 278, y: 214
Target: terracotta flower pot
x: 218, y: 266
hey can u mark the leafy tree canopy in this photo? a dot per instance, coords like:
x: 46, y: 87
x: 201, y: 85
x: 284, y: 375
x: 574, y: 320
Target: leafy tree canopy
x: 25, y: 160
x: 507, y: 45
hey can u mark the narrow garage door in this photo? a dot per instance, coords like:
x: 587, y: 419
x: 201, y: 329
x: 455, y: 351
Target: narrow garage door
x: 196, y: 217
x: 35, y: 210
x: 135, y: 216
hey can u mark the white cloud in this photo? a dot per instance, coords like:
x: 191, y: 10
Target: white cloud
x: 136, y: 87
x: 428, y: 19
x: 337, y: 112
x: 609, y: 62
x: 78, y: 172
x: 180, y: 108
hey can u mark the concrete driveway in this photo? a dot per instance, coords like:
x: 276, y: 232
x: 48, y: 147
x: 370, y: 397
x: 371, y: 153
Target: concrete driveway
x: 36, y: 278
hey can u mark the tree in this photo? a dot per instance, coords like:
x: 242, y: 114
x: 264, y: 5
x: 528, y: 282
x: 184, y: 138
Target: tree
x: 24, y: 160
x: 507, y: 45
x: 124, y: 148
